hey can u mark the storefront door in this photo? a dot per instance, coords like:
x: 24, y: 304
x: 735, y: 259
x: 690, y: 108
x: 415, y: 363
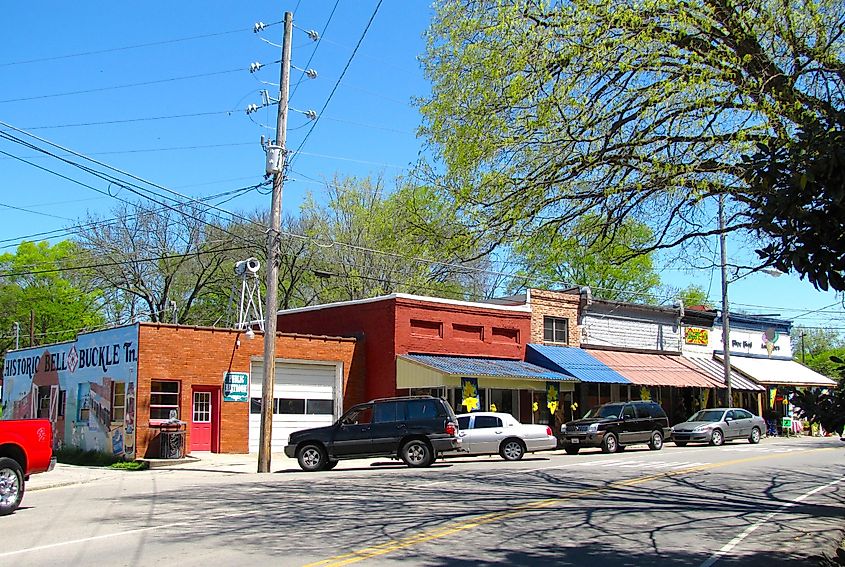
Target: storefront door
x: 202, y: 420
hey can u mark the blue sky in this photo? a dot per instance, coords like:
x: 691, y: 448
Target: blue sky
x: 368, y: 128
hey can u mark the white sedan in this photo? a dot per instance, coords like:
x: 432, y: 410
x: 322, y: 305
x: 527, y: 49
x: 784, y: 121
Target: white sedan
x: 489, y: 433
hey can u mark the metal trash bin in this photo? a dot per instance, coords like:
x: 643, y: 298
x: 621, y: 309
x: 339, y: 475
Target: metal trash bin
x: 172, y: 440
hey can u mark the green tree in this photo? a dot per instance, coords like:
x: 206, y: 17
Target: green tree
x: 694, y: 295
x: 35, y: 279
x: 541, y: 112
x: 584, y: 257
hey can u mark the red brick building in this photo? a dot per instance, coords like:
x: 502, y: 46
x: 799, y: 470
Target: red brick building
x: 426, y: 345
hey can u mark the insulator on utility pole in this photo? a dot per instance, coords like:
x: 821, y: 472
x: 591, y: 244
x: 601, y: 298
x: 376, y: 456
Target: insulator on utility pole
x: 272, y: 298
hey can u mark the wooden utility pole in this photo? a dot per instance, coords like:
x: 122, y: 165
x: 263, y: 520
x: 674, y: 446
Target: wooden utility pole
x: 31, y: 327
x: 273, y: 235
x: 726, y: 320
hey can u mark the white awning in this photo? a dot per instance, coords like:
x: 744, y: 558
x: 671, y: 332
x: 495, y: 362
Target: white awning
x: 780, y: 372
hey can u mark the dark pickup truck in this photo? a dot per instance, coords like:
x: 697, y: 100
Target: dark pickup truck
x: 414, y: 429
x: 26, y: 447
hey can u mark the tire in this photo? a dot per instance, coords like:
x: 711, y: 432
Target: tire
x: 332, y: 463
x: 621, y: 448
x: 512, y: 449
x: 609, y: 444
x: 681, y: 443
x: 312, y: 458
x: 754, y: 438
x: 416, y: 453
x: 717, y: 438
x: 572, y: 450
x: 656, y: 441
x: 11, y: 485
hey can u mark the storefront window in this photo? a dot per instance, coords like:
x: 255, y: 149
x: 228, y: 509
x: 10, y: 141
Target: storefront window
x: 502, y: 401
x: 164, y: 397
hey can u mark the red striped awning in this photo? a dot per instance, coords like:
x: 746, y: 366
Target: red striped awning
x: 655, y: 369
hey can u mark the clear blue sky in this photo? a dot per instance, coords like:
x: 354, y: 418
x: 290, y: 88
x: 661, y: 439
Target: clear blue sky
x: 368, y: 128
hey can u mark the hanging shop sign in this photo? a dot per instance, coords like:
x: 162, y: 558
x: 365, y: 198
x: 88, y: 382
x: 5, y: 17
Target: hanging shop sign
x: 552, y: 396
x: 695, y: 336
x: 235, y: 387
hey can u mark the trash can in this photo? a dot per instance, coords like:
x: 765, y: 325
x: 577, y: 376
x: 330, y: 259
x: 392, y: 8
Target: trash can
x: 172, y: 440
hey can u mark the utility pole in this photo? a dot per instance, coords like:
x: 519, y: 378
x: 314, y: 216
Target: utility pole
x: 272, y: 300
x: 31, y: 327
x: 802, y: 348
x: 726, y: 325
x: 17, y: 335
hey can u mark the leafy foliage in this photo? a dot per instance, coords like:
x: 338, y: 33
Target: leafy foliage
x: 585, y: 258
x: 823, y: 406
x: 542, y: 112
x: 63, y: 302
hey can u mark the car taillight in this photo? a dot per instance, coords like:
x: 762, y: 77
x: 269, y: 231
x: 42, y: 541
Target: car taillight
x: 549, y: 431
x: 451, y: 429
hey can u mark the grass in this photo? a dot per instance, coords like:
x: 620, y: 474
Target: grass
x: 77, y: 456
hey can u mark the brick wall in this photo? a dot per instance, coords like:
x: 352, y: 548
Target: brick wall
x: 200, y: 357
x: 545, y: 303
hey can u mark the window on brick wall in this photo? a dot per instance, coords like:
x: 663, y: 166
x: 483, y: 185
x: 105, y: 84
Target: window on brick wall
x: 164, y: 396
x: 555, y: 330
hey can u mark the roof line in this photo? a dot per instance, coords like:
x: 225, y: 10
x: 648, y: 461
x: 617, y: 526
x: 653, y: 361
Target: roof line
x: 422, y: 298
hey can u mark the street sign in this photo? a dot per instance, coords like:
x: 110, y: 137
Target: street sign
x: 235, y: 387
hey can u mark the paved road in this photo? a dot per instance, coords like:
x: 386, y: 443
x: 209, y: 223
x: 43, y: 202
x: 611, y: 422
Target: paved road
x: 778, y: 503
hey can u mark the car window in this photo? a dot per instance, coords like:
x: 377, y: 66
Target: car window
x: 712, y: 416
x: 423, y: 409
x: 387, y: 412
x: 656, y: 411
x: 609, y: 410
x: 358, y: 416
x: 486, y: 422
x: 731, y: 414
x: 628, y: 412
x: 742, y: 414
x: 463, y: 422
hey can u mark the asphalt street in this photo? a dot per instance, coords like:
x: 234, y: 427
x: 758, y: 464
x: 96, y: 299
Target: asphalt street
x: 781, y: 502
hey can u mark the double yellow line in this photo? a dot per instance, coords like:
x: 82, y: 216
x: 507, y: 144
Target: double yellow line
x: 484, y: 519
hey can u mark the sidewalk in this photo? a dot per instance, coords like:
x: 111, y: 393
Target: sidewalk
x: 69, y: 475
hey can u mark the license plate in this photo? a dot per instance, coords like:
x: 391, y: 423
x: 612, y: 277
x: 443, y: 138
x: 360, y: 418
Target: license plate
x: 574, y: 441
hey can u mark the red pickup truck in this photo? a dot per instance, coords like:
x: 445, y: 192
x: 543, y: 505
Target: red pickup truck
x: 26, y: 447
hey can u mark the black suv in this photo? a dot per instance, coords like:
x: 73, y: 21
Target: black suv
x: 413, y: 429
x: 615, y: 425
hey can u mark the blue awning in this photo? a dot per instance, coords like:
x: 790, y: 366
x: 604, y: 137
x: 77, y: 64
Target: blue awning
x: 493, y: 367
x: 575, y: 362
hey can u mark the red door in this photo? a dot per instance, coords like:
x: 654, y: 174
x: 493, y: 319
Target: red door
x: 201, y: 422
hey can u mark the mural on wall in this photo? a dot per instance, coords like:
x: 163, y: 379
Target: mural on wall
x: 87, y: 388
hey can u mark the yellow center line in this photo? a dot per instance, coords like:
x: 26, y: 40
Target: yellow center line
x: 491, y: 517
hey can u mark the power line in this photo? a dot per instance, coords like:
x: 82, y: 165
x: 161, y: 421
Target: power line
x: 128, y: 47
x: 129, y: 120
x: 337, y: 83
x: 125, y: 86
x: 317, y: 46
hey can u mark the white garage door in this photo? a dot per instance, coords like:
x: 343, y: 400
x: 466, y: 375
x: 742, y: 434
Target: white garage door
x: 305, y: 395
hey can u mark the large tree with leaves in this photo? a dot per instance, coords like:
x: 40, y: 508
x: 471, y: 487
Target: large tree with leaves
x: 549, y: 259
x: 41, y: 282
x: 542, y: 111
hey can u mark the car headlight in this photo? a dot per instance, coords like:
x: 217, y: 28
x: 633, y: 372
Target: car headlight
x: 593, y: 427
x: 702, y: 428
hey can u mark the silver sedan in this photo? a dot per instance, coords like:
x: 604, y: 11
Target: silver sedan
x: 717, y: 425
x: 489, y: 433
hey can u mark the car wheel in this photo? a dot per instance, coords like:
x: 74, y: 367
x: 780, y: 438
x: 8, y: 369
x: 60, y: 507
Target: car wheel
x: 717, y: 438
x: 11, y: 485
x: 332, y: 463
x: 754, y: 438
x: 681, y: 443
x: 512, y: 449
x: 656, y: 442
x: 572, y: 450
x: 609, y: 444
x: 312, y: 458
x: 416, y: 453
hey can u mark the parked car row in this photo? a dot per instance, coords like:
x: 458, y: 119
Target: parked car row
x: 418, y: 429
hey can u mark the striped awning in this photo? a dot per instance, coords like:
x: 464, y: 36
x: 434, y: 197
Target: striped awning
x: 716, y: 371
x: 655, y: 369
x: 574, y: 361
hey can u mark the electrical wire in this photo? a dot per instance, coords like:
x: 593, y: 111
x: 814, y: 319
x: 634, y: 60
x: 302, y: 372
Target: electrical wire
x: 314, y: 51
x: 125, y: 86
x: 129, y: 120
x: 337, y: 83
